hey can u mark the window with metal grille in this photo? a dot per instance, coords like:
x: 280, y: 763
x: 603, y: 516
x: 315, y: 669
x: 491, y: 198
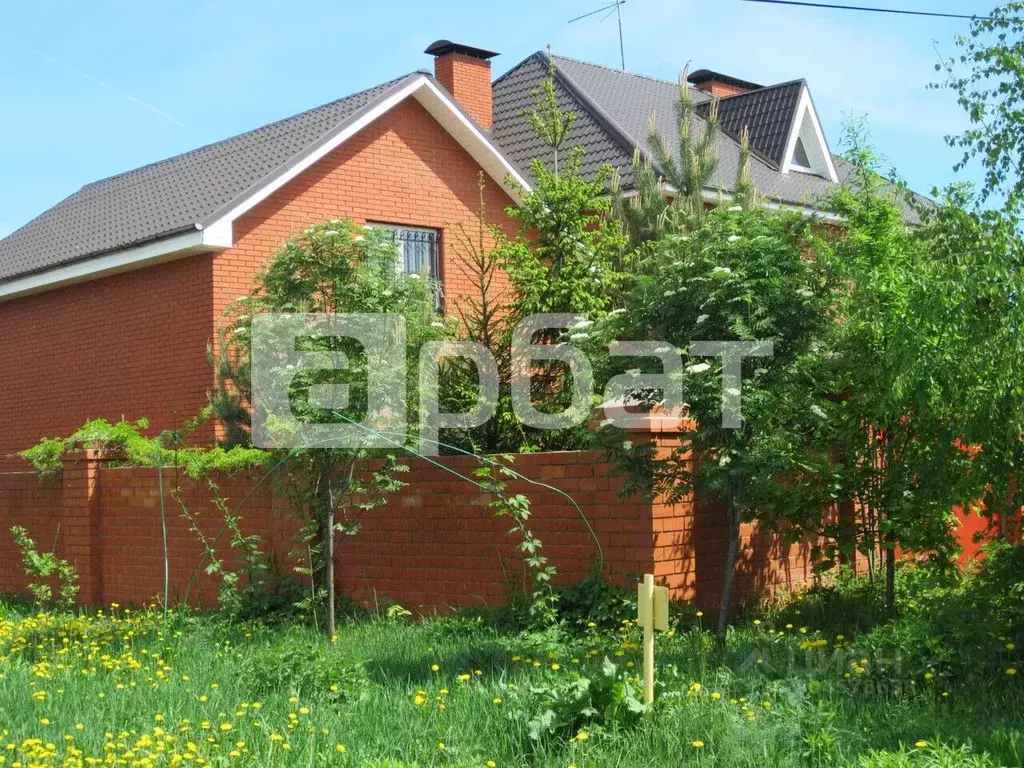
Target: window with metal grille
x: 419, y: 252
x: 419, y: 249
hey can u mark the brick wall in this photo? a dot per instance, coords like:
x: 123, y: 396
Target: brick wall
x: 435, y: 545
x: 402, y: 169
x: 134, y: 344
x: 131, y: 345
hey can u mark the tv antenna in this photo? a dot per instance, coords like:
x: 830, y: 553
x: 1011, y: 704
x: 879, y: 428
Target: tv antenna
x: 611, y: 8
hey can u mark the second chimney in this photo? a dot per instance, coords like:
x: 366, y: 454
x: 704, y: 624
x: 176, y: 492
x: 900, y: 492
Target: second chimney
x: 720, y: 85
x: 466, y: 73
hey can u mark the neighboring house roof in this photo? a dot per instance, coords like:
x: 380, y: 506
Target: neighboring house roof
x: 767, y: 113
x: 614, y: 107
x: 189, y: 201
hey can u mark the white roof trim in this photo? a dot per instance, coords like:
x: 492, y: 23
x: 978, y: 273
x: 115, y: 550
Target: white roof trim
x: 440, y: 106
x: 159, y: 251
x: 216, y: 233
x: 806, y: 126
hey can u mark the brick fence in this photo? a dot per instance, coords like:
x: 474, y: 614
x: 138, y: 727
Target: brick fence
x: 436, y: 544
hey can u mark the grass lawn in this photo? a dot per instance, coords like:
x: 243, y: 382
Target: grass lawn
x: 791, y: 690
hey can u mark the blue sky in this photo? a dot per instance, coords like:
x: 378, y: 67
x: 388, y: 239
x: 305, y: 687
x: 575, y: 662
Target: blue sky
x: 92, y: 89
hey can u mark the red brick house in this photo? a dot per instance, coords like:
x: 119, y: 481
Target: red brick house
x: 109, y: 299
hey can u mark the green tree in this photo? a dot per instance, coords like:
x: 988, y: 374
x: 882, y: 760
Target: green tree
x: 738, y: 275
x: 564, y: 258
x: 926, y: 360
x: 670, y: 181
x: 987, y: 76
x: 331, y: 268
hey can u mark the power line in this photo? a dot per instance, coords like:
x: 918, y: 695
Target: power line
x: 898, y: 11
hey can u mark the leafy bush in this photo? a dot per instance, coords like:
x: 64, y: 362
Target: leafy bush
x: 929, y: 756
x: 593, y: 600
x: 955, y: 627
x: 40, y: 567
x: 306, y: 668
x: 608, y: 697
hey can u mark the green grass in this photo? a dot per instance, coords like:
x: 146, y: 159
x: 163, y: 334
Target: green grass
x: 457, y: 692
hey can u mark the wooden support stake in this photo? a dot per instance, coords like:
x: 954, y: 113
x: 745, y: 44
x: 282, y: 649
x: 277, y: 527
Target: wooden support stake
x: 652, y: 614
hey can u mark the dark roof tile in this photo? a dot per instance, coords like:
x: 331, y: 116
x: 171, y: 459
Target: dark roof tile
x: 169, y: 196
x: 768, y: 113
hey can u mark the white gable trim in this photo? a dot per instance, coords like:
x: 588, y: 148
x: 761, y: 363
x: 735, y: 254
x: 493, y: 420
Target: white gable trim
x: 807, y: 127
x: 437, y: 103
x: 157, y: 252
x: 216, y: 233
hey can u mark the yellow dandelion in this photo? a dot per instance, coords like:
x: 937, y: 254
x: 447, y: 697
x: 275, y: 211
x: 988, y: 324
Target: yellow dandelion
x: 697, y: 744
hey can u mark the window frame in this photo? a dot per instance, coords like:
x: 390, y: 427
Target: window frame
x: 436, y: 271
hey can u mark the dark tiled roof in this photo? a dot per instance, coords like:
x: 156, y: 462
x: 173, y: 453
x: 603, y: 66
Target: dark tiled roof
x: 768, y: 113
x: 513, y: 94
x: 172, y: 195
x: 614, y: 109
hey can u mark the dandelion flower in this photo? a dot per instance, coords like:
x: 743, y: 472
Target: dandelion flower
x: 920, y: 743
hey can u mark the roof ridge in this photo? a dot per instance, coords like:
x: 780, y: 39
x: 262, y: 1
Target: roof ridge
x: 272, y: 123
x: 660, y: 80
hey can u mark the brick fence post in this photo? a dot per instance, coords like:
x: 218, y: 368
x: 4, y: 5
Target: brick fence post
x: 80, y: 535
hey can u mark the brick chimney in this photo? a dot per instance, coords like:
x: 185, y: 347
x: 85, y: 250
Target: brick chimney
x: 466, y: 73
x: 717, y: 84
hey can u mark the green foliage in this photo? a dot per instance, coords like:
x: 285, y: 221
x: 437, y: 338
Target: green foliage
x: 987, y: 77
x: 305, y: 668
x: 670, y: 184
x: 954, y: 628
x: 330, y: 268
x: 128, y: 446
x: 925, y: 360
x: 929, y: 756
x: 407, y: 689
x: 738, y: 275
x: 565, y: 258
x: 543, y: 598
x: 41, y: 567
x: 608, y: 696
x: 593, y: 601
x: 550, y: 124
